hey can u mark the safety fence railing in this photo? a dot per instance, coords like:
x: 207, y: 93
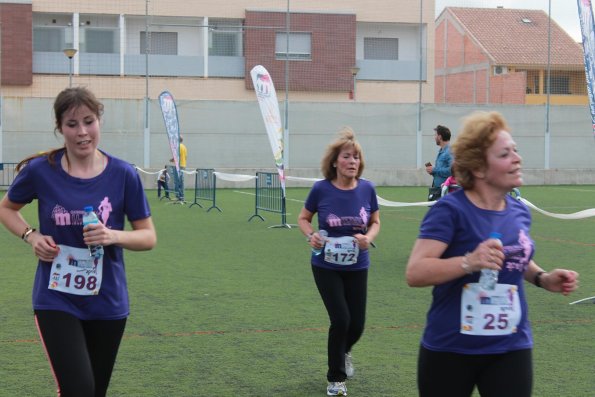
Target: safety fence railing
x: 7, y: 173
x: 205, y: 188
x: 269, y: 197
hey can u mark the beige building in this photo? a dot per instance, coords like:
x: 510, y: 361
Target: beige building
x: 337, y: 50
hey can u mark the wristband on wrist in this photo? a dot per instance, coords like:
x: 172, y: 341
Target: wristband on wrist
x: 537, y: 279
x: 465, y: 265
x: 309, y: 237
x: 26, y: 233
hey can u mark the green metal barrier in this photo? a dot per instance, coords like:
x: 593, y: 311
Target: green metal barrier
x: 269, y: 197
x: 7, y: 173
x: 205, y: 187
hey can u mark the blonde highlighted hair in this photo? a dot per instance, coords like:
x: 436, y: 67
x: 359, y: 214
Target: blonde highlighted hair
x: 480, y: 130
x: 345, y: 139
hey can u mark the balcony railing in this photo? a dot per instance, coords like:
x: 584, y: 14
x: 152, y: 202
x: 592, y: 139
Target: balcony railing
x: 135, y: 65
x: 390, y: 70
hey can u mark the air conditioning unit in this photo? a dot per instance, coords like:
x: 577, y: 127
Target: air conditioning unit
x: 500, y: 70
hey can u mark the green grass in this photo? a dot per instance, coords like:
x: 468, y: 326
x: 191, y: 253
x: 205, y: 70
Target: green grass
x: 223, y: 306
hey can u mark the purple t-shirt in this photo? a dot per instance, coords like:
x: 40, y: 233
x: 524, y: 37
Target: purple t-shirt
x: 114, y: 194
x: 343, y: 213
x: 455, y: 221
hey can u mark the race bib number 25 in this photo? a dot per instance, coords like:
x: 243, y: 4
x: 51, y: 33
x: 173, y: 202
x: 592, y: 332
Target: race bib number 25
x: 490, y: 313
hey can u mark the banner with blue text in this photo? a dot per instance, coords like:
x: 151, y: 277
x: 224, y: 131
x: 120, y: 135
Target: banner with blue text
x: 585, y: 14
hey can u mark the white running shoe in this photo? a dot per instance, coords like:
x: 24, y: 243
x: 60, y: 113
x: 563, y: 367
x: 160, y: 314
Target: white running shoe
x: 349, y: 370
x: 336, y: 389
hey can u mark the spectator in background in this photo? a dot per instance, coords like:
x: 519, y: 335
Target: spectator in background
x: 450, y: 184
x: 441, y: 169
x: 163, y: 183
x: 180, y: 185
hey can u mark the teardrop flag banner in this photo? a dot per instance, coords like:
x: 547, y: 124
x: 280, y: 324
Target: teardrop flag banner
x: 172, y: 127
x: 269, y: 107
x: 585, y: 15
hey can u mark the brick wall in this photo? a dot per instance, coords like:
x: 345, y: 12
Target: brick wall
x: 455, y: 48
x: 471, y: 87
x: 508, y: 88
x: 333, y: 50
x: 473, y: 54
x: 459, y: 88
x: 17, y: 44
x: 439, y: 39
x: 481, y: 83
x: 467, y: 79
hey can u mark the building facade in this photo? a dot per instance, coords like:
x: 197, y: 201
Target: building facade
x: 501, y: 56
x: 337, y: 50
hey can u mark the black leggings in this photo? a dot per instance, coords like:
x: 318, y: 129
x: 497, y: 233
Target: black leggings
x: 455, y: 375
x: 344, y: 295
x: 81, y: 353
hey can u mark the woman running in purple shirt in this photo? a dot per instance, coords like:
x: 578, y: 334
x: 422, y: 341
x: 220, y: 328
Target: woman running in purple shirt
x: 347, y: 209
x: 80, y: 302
x: 477, y: 336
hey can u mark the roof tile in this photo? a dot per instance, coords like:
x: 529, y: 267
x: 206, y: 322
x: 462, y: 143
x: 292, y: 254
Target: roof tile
x: 519, y: 37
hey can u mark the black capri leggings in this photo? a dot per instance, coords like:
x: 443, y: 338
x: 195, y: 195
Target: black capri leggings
x: 344, y: 295
x: 81, y: 353
x: 455, y: 375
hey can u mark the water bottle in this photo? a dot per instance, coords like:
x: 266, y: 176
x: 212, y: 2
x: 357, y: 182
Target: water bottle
x: 89, y: 217
x: 489, y: 277
x: 323, y: 234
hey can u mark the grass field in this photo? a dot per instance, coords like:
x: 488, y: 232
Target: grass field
x: 223, y: 306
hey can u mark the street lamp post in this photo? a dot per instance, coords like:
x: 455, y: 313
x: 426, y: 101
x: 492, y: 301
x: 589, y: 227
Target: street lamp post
x: 354, y: 71
x: 70, y: 52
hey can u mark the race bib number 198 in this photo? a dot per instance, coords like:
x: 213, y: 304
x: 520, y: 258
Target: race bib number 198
x: 75, y: 272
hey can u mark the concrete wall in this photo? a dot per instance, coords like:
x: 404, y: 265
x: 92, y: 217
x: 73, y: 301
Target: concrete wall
x: 230, y: 137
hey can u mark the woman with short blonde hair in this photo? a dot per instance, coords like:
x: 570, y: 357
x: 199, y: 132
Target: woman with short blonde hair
x: 347, y: 209
x: 478, y: 334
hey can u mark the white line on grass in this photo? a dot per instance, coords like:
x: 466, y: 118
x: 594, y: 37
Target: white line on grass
x: 573, y: 189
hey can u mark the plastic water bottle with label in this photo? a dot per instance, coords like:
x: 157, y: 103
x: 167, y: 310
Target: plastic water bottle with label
x: 489, y: 277
x: 323, y: 234
x: 89, y: 217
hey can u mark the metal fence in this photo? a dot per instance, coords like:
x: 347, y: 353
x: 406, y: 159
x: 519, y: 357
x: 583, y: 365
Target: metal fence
x: 7, y: 173
x: 205, y: 188
x: 269, y: 197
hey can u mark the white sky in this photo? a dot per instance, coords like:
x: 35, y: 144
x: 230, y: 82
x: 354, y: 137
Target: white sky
x: 564, y: 12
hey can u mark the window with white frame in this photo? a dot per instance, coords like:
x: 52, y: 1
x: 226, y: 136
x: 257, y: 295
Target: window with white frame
x: 100, y: 41
x: 381, y: 48
x: 225, y: 37
x: 160, y: 43
x: 51, y: 38
x: 300, y: 46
